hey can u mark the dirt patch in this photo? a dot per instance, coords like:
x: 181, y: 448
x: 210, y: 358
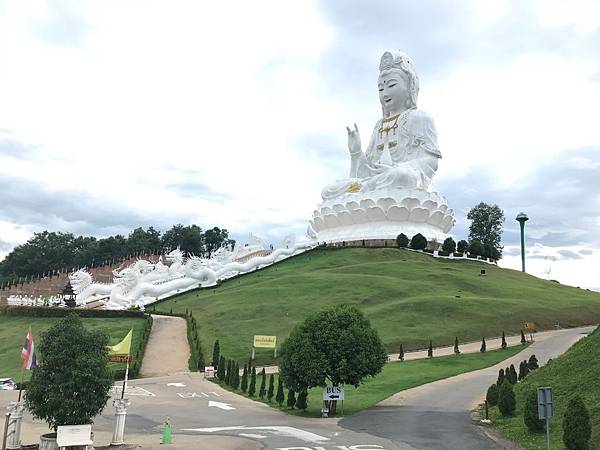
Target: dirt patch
x: 167, y: 351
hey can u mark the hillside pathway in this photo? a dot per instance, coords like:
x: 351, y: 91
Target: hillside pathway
x: 167, y: 351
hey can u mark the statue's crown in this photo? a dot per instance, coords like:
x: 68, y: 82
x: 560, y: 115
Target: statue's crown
x: 396, y: 60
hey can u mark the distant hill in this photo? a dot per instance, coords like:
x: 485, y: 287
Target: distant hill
x: 410, y: 297
x: 574, y: 372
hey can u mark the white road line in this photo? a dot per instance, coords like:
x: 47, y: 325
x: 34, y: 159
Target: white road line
x: 214, y: 393
x: 220, y: 405
x: 252, y: 436
x: 176, y: 384
x: 283, y: 431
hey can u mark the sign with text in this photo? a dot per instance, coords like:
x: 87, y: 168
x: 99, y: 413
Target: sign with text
x: 333, y: 393
x: 265, y: 341
x: 72, y: 435
x: 119, y: 358
x: 209, y: 372
x: 545, y: 406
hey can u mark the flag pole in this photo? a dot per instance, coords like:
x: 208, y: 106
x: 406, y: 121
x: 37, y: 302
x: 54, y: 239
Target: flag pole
x: 21, y: 384
x: 126, y: 375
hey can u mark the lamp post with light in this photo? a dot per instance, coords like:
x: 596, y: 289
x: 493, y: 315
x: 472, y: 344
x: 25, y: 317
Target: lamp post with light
x: 522, y: 218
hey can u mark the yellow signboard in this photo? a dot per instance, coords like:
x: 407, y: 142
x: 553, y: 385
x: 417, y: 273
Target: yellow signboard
x: 529, y: 326
x: 265, y: 341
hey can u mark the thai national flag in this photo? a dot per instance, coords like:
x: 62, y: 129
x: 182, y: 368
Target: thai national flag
x: 28, y: 353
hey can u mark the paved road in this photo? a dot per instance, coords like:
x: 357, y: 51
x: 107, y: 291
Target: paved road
x: 436, y: 416
x: 167, y: 351
x: 204, y: 416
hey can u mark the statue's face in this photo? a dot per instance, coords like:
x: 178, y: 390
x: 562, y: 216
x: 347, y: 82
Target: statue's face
x: 393, y: 92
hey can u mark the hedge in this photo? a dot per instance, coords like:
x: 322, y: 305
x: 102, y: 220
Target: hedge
x: 45, y: 311
x: 134, y: 367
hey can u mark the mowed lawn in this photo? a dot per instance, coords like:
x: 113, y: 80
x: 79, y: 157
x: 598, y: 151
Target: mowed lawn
x: 396, y: 377
x: 14, y: 328
x: 409, y: 297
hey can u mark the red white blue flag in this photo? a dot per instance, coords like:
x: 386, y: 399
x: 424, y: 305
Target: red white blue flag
x: 28, y: 353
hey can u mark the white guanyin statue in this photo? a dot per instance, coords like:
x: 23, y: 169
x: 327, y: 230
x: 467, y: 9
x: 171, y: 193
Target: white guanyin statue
x: 388, y: 191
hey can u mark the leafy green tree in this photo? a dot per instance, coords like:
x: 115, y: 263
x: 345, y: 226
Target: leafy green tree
x: 507, y: 402
x: 430, y: 350
x: 216, y: 356
x: 462, y: 246
x: 492, y: 395
x: 337, y: 345
x: 504, y: 344
x: 401, y: 353
x: 252, y: 387
x: 530, y: 413
x: 449, y: 246
x: 402, y: 240
x: 244, y: 384
x: 476, y: 248
x: 456, y: 349
x: 141, y: 242
x: 302, y: 402
x: 577, y: 429
x: 532, y: 363
x: 190, y: 239
x: 418, y: 242
x: 483, y: 346
x: 263, y: 384
x: 279, y: 397
x: 271, y: 390
x: 215, y: 238
x: 291, y: 399
x: 486, y: 226
x: 523, y: 370
x: 71, y: 385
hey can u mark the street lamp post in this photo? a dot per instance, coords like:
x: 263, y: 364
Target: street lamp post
x: 522, y: 218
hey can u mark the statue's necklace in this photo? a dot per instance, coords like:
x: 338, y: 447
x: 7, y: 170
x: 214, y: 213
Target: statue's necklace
x: 389, y: 124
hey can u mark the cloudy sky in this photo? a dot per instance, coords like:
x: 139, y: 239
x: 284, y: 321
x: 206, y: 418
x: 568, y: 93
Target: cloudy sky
x: 115, y: 115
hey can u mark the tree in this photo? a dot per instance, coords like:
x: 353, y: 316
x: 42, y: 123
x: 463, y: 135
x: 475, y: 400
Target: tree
x: 74, y: 396
x: 228, y: 372
x: 449, y: 246
x: 263, y: 384
x: 483, y: 346
x: 486, y: 225
x: 401, y: 353
x: 402, y: 240
x: 532, y: 363
x: 279, y: 397
x: 492, y: 395
x: 462, y: 246
x: 523, y: 340
x: 504, y: 344
x: 501, y: 377
x: 271, y: 390
x: 221, y: 371
x: 215, y: 238
x: 418, y: 242
x: 302, y: 402
x: 430, y: 350
x: 506, y: 399
x: 236, y: 375
x: 216, y: 354
x: 189, y: 239
x: 456, y: 349
x: 530, y: 413
x: 513, y: 377
x: 244, y: 385
x: 577, y: 429
x: 252, y: 387
x: 291, y: 399
x: 523, y: 370
x: 475, y: 248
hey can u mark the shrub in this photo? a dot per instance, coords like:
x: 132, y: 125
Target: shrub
x: 430, y: 350
x: 533, y: 363
x: 504, y: 344
x: 221, y: 371
x: 530, y: 413
x: 483, y: 346
x: 291, y: 399
x: 263, y: 384
x: 501, y: 377
x: 506, y: 399
x: 523, y: 340
x: 475, y: 248
x: 244, y: 385
x: 279, y: 398
x: 577, y: 429
x: 462, y: 246
x: 418, y: 242
x: 513, y: 377
x: 216, y: 354
x: 492, y: 395
x: 402, y: 240
x: 401, y: 353
x: 523, y: 370
x: 271, y: 390
x: 252, y: 387
x: 302, y: 402
x: 449, y: 246
x: 456, y: 349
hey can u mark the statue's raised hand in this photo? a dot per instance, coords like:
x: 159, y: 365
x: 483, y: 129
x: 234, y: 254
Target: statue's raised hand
x: 353, y: 140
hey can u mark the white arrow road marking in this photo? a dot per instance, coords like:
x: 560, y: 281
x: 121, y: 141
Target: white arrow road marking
x: 176, y: 384
x: 253, y: 436
x: 206, y: 395
x: 214, y: 393
x: 283, y: 431
x: 224, y: 406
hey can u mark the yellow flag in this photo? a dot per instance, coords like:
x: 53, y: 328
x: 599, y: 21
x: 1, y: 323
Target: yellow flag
x: 123, y: 347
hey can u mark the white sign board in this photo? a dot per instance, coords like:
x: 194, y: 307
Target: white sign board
x: 71, y: 435
x: 333, y: 393
x: 545, y: 403
x: 209, y: 372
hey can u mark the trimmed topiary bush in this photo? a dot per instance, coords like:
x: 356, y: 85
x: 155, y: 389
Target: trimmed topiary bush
x: 504, y: 344
x: 456, y: 349
x: 418, y: 242
x: 402, y: 240
x: 577, y: 429
x: 280, y: 397
x: 492, y: 395
x: 483, y: 346
x: 523, y: 340
x: 430, y: 350
x: 501, y: 377
x: 291, y: 399
x: 449, y: 246
x: 533, y: 363
x: 475, y: 248
x: 302, y: 402
x: 507, y: 402
x: 530, y: 413
x: 462, y: 246
x: 401, y: 353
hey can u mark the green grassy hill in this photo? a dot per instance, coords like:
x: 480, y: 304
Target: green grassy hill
x: 575, y: 372
x: 410, y: 298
